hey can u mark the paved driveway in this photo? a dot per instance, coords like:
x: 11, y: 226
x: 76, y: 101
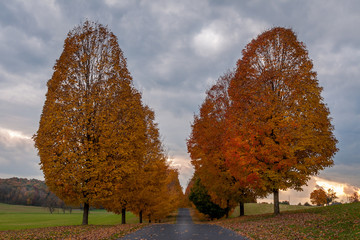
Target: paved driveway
x: 184, y: 229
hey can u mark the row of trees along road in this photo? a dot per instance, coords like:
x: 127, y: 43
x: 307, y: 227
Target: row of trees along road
x: 98, y: 144
x: 264, y: 126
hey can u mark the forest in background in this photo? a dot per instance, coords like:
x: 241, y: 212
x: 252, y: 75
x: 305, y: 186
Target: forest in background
x: 32, y: 192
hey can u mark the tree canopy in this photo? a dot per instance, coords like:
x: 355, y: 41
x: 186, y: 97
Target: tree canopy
x: 91, y: 131
x: 318, y: 197
x: 282, y: 126
x: 206, y: 148
x: 270, y: 130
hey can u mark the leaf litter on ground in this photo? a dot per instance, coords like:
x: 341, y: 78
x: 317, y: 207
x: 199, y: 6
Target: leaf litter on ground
x: 333, y: 222
x: 89, y: 232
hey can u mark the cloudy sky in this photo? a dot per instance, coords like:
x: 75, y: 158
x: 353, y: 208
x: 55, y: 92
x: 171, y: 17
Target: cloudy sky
x: 175, y: 51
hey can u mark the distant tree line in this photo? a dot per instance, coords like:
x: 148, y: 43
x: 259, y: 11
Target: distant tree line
x: 33, y: 192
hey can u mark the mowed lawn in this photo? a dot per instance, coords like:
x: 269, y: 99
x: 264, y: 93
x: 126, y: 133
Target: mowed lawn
x: 332, y: 222
x: 13, y: 217
x: 260, y: 208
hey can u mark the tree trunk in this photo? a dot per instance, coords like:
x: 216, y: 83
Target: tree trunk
x: 86, y: 214
x: 123, y: 216
x: 242, y: 209
x: 140, y: 216
x: 149, y: 218
x: 227, y: 208
x: 276, y: 202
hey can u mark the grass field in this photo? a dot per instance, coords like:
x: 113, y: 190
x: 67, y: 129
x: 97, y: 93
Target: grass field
x: 255, y: 209
x: 14, y: 217
x: 295, y: 222
x: 333, y: 222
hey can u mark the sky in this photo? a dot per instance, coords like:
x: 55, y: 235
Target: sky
x: 175, y: 51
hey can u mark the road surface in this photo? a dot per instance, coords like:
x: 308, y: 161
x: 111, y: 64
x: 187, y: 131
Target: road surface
x: 183, y: 229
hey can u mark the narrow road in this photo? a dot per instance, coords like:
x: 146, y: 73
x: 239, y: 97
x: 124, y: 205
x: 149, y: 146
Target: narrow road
x: 183, y: 229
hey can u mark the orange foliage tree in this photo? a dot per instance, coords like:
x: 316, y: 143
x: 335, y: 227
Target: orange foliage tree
x: 206, y: 144
x: 91, y: 131
x: 153, y: 191
x: 281, y: 132
x: 169, y: 199
x: 318, y: 197
x: 151, y: 186
x: 152, y: 171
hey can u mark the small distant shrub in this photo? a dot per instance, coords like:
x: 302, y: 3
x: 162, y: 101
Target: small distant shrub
x: 285, y: 202
x: 307, y: 204
x: 353, y: 198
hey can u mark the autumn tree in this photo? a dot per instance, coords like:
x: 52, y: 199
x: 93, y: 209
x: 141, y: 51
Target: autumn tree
x: 190, y: 184
x: 153, y: 191
x: 91, y: 131
x: 205, y: 144
x: 318, y: 197
x: 159, y: 199
x: 330, y: 196
x: 281, y: 133
x: 169, y: 198
x: 153, y: 171
x: 206, y: 148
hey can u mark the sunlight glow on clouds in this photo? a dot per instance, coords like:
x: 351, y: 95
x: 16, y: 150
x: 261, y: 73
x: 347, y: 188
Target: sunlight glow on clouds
x: 342, y: 189
x: 337, y: 187
x: 10, y: 137
x: 185, y: 169
x: 15, y: 134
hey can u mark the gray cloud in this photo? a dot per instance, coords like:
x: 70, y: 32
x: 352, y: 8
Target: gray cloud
x: 175, y: 51
x: 18, y: 157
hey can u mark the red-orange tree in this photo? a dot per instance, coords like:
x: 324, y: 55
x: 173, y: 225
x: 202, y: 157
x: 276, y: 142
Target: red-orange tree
x: 318, y: 197
x: 281, y: 132
x: 206, y: 145
x: 91, y: 133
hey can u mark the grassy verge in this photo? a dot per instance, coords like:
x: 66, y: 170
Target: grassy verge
x: 14, y: 217
x: 250, y: 209
x: 333, y: 222
x: 256, y: 209
x: 26, y: 222
x: 89, y: 232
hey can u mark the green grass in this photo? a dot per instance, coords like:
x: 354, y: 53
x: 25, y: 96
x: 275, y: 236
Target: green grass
x: 13, y: 217
x: 256, y: 209
x: 332, y: 222
x: 341, y: 222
